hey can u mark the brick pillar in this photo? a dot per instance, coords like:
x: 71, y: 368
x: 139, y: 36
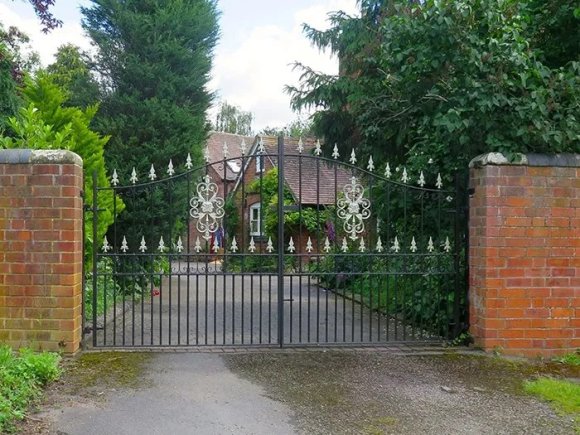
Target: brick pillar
x: 41, y: 246
x: 524, y: 257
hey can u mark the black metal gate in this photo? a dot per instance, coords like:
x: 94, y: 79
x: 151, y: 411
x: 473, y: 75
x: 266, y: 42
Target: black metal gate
x: 277, y: 246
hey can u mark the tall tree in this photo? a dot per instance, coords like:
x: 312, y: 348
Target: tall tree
x: 154, y: 59
x: 441, y: 81
x: 232, y: 119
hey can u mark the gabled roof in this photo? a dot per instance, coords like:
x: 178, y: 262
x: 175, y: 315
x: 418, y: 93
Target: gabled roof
x: 310, y: 180
x: 215, y: 146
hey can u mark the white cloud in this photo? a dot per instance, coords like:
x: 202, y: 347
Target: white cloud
x: 45, y: 44
x: 253, y: 74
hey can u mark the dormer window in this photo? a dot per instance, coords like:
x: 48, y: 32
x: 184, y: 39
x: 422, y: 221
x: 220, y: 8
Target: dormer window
x: 259, y: 164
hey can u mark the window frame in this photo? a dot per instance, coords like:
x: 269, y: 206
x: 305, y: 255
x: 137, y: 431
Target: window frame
x: 251, y: 220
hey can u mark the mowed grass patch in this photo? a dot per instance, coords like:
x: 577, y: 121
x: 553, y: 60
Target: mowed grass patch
x: 564, y: 395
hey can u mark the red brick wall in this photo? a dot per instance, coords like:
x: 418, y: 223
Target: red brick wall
x: 41, y: 249
x: 525, y: 259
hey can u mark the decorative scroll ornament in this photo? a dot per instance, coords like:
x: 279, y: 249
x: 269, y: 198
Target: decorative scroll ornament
x: 142, y: 246
x: 317, y: 149
x: 270, y: 245
x: 124, y: 246
x: 396, y: 247
x: 335, y: 154
x: 388, y: 171
x: 421, y: 181
x: 179, y: 246
x: 354, y: 208
x: 300, y: 148
x: 152, y: 174
x: 188, y: 162
x: 413, y: 245
x: 309, y: 245
x: 106, y: 247
x: 439, y: 182
x: 291, y: 247
x: 447, y: 246
x: 430, y: 245
x: 161, y: 246
x: 405, y: 177
x: 170, y: 169
x: 379, y: 245
x: 234, y: 247
x: 197, y: 246
x: 207, y: 208
x: 449, y: 198
x: 115, y: 178
x: 243, y: 147
x: 252, y: 247
x: 362, y: 246
x: 133, y: 178
x: 327, y: 245
x: 352, y: 157
x: 371, y: 165
x: 344, y: 246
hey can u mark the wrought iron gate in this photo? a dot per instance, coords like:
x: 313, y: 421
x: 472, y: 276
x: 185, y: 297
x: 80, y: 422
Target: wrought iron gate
x: 277, y: 246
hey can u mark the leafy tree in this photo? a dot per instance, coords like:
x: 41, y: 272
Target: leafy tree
x: 71, y: 72
x: 443, y: 80
x: 232, y: 119
x: 297, y: 128
x: 154, y: 58
x: 46, y: 123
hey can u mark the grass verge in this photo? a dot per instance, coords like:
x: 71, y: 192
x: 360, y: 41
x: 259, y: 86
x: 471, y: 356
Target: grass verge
x: 564, y: 395
x: 22, y: 377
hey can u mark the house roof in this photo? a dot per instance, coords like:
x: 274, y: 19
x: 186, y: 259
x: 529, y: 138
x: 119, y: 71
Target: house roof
x: 310, y: 180
x: 215, y: 147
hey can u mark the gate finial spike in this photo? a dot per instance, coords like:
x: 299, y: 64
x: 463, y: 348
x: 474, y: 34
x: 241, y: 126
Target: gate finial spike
x: 234, y: 247
x: 115, y: 178
x: 152, y: 174
x: 421, y: 181
x: 179, y: 245
x: 161, y: 246
x: 252, y: 247
x: 291, y: 247
x: 430, y: 245
x: 226, y: 150
x: 447, y: 246
x: 188, y: 162
x: 352, y: 157
x: 124, y: 246
x: 317, y: 149
x: 142, y: 246
x: 327, y: 245
x: 335, y: 154
x: 439, y: 182
x: 405, y: 177
x: 206, y: 156
x: 300, y: 148
x: 197, y: 246
x: 362, y: 246
x: 170, y: 169
x: 371, y: 165
x: 261, y: 147
x: 344, y: 246
x: 388, y: 171
x: 379, y: 245
x: 413, y: 245
x: 106, y: 247
x: 396, y: 247
x: 270, y: 246
x: 309, y: 245
x: 133, y: 178
x: 216, y: 246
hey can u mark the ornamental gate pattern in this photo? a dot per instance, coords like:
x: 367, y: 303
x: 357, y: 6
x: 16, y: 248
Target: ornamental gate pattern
x: 300, y: 250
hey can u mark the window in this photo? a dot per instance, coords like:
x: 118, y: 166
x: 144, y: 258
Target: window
x: 259, y: 164
x: 255, y: 220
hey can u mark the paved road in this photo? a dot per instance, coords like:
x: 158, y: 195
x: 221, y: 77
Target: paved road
x: 219, y: 309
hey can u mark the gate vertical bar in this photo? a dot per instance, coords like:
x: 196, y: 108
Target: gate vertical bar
x: 84, y: 276
x: 281, y: 241
x: 457, y: 252
x: 95, y: 224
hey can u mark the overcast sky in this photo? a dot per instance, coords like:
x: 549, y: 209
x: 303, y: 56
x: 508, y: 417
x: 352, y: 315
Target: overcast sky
x: 260, y: 39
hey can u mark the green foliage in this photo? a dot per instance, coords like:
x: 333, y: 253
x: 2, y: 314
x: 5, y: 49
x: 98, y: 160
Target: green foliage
x: 46, y: 124
x: 153, y: 62
x: 564, y: 395
x: 445, y: 80
x: 21, y: 378
x: 572, y: 359
x: 232, y: 119
x: 298, y: 128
